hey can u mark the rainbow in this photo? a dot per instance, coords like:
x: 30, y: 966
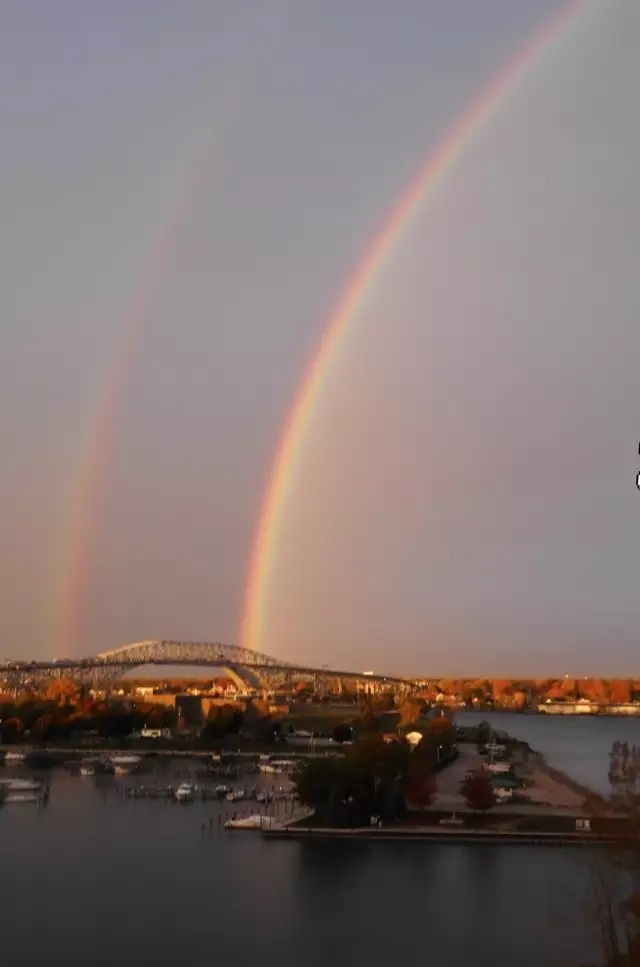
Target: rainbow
x: 79, y: 518
x: 359, y: 284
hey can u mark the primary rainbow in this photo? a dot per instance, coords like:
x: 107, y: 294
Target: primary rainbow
x: 356, y: 289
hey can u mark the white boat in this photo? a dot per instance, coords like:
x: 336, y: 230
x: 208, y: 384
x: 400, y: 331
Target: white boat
x: 20, y: 785
x: 124, y: 765
x: 90, y: 767
x: 15, y: 758
x: 267, y: 767
x: 251, y: 822
x: 222, y: 790
x: 22, y: 797
x: 185, y: 792
x: 283, y: 765
x: 236, y: 795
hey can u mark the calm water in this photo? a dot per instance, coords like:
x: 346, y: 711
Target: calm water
x: 578, y: 744
x: 116, y: 880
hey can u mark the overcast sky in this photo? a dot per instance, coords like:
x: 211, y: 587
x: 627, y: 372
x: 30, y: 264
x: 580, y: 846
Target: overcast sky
x: 214, y: 170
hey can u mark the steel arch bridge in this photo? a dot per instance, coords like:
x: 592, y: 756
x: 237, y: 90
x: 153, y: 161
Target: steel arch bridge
x: 150, y: 652
x: 245, y: 667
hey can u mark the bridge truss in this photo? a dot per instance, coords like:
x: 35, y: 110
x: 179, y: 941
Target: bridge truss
x: 250, y: 667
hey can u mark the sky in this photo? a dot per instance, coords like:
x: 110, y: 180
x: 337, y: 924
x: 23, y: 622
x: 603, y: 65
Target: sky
x: 185, y: 189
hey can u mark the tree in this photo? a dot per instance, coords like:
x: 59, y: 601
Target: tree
x: 478, y: 792
x: 421, y: 792
x: 484, y: 733
x: 368, y: 781
x: 343, y: 732
x: 259, y: 707
x: 42, y: 725
x: 410, y: 711
x: 442, y: 734
x: 11, y: 728
x: 368, y: 723
x: 223, y: 720
x: 384, y: 702
x: 614, y: 909
x: 64, y: 691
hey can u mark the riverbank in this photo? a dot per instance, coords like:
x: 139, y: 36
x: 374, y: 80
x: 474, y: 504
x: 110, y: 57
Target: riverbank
x: 438, y: 835
x: 547, y: 807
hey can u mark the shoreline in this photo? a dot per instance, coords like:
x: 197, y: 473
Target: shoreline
x: 447, y: 837
x: 553, y: 821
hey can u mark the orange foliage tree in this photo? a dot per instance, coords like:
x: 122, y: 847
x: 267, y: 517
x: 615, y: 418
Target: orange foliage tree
x: 64, y: 691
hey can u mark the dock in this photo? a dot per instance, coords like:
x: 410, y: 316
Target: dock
x: 435, y: 835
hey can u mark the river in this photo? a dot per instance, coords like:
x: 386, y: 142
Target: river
x: 99, y: 876
x: 577, y: 744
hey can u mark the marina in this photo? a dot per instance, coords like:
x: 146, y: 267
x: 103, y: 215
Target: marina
x: 230, y: 862
x: 125, y: 817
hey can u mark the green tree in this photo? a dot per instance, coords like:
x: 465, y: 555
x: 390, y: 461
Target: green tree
x: 11, y: 728
x: 484, y: 733
x: 368, y: 781
x: 223, y: 720
x: 343, y: 732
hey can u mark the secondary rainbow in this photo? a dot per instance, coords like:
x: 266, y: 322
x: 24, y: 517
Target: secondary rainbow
x: 79, y: 519
x: 358, y: 286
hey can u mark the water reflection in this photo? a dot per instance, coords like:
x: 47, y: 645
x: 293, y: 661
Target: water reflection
x: 163, y: 883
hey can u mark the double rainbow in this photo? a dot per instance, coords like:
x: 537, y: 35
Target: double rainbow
x: 83, y: 508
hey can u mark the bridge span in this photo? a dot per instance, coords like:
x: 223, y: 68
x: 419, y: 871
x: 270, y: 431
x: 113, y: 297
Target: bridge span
x: 251, y: 668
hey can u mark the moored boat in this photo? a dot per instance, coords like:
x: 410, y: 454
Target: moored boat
x: 251, y: 822
x: 124, y: 765
x: 91, y: 766
x: 185, y: 792
x: 16, y: 757
x: 13, y: 797
x: 20, y: 785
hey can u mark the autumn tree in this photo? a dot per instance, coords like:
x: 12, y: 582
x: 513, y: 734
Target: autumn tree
x: 383, y: 702
x: 368, y: 724
x: 410, y: 711
x: 620, y: 690
x: 478, y: 792
x: 259, y: 707
x: 441, y: 731
x: 64, y: 691
x: 420, y: 790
